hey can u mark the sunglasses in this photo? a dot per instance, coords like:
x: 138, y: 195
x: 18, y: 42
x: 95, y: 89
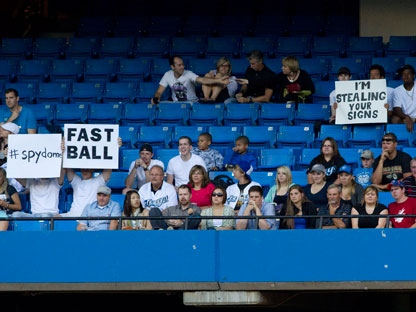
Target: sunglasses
x: 387, y: 140
x: 217, y: 195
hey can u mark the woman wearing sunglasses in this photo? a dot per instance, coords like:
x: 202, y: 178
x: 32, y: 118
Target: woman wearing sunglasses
x: 218, y: 209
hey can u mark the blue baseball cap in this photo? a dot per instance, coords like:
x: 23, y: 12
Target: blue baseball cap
x: 346, y: 169
x: 395, y: 183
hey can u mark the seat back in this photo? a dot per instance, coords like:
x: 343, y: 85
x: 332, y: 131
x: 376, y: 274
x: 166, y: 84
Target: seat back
x: 276, y: 114
x: 271, y: 158
x: 104, y: 113
x: 138, y: 114
x: 295, y: 136
x: 206, y: 114
x: 239, y: 114
x: 172, y: 113
x: 261, y: 136
x: 191, y: 131
x: 224, y: 136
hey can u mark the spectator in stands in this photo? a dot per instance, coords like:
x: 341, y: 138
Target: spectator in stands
x: 351, y: 191
x: 5, y: 130
x: 201, y: 186
x: 316, y: 191
x: 378, y: 72
x: 139, y: 169
x: 23, y: 116
x: 44, y: 195
x: 241, y: 152
x: 330, y: 158
x: 157, y: 193
x: 85, y: 186
x: 363, y: 173
x: 179, y: 166
x: 403, y: 205
x: 102, y: 207
x: 293, y: 83
x: 218, y: 208
x: 344, y: 74
x: 214, y: 160
x: 392, y: 164
x: 337, y: 209
x: 279, y: 192
x: 182, y: 82
x: 256, y: 207
x: 410, y: 181
x: 369, y: 207
x: 218, y: 93
x: 404, y: 101
x: 132, y: 207
x: 183, y: 209
x: 297, y: 205
x: 259, y: 81
x: 9, y: 200
x: 237, y: 194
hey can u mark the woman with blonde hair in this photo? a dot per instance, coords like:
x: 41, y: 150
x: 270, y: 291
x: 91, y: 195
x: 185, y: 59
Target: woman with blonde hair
x: 279, y: 192
x: 218, y: 93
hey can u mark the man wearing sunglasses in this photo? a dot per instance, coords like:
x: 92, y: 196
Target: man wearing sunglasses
x: 392, y: 164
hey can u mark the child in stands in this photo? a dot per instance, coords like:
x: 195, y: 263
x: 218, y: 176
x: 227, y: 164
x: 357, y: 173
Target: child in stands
x: 214, y: 160
x: 364, y: 172
x: 241, y: 152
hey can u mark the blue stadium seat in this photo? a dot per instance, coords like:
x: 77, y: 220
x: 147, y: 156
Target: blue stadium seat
x: 44, y: 112
x: 28, y: 91
x: 70, y: 113
x: 223, y: 46
x: 128, y: 155
x: 65, y: 225
x: 8, y: 69
x: 308, y: 114
x: 366, y: 135
x: 401, y: 45
x: 34, y: 70
x: 340, y: 133
x: 317, y: 67
x: 404, y: 137
x: 153, y: 46
x: 67, y: 70
x: 357, y: 65
x: 261, y: 136
x: 189, y: 46
x: 361, y: 46
x: 120, y: 92
x: 165, y: 154
x: 410, y: 150
x: 266, y: 179
x: 295, y: 136
x: 271, y: 158
x: 241, y: 114
x: 322, y: 91
x: 391, y: 64
x: 351, y: 155
x: 266, y: 44
x: 191, y: 131
x: 276, y: 114
x: 100, y: 70
x: 16, y: 48
x: 133, y: 70
x: 49, y: 47
x: 81, y: 47
x: 207, y: 114
x: 128, y: 135
x: 104, y: 113
x: 122, y: 47
x: 147, y: 89
x: 138, y: 114
x: 224, y: 136
x: 116, y: 182
x: 299, y: 177
x: 31, y: 225
x: 157, y: 136
x: 306, y: 156
x: 332, y: 45
x: 299, y: 46
x: 87, y: 91
x: 172, y: 113
x: 201, y: 66
x: 53, y: 92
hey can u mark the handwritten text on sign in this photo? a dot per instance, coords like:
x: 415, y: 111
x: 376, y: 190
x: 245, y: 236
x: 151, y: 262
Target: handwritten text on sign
x: 91, y: 146
x: 34, y: 155
x: 361, y: 101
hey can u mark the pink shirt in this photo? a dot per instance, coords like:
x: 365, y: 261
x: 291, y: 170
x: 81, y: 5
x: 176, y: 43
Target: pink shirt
x: 202, y: 197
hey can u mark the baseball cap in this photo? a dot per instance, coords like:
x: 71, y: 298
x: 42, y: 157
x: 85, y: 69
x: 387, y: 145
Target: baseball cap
x: 246, y: 167
x: 345, y: 168
x: 395, y: 183
x: 146, y: 147
x: 367, y: 154
x: 103, y: 189
x: 11, y: 126
x: 404, y: 67
x: 344, y: 70
x: 318, y: 168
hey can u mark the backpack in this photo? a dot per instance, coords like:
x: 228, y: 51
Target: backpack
x: 223, y: 181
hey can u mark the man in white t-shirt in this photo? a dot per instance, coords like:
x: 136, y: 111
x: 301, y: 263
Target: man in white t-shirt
x: 139, y: 169
x: 179, y: 166
x: 182, y: 82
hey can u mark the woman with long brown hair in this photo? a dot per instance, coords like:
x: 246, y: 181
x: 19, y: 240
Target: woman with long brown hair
x: 9, y: 199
